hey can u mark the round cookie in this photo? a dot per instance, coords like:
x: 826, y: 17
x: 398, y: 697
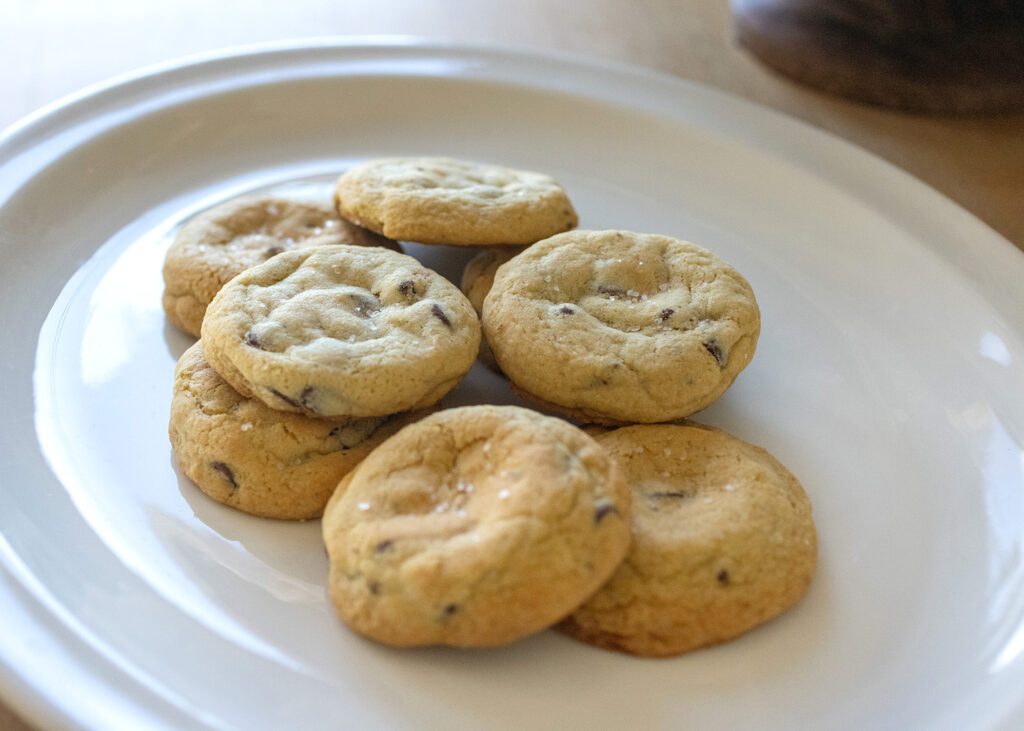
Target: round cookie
x: 474, y: 527
x: 723, y: 540
x: 620, y: 327
x: 437, y: 200
x: 220, y: 243
x: 477, y: 279
x: 341, y: 331
x: 265, y: 462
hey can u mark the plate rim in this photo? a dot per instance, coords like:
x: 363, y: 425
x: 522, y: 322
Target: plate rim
x: 991, y: 252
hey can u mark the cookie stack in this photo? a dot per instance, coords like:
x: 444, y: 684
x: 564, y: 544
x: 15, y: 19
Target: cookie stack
x: 318, y: 339
x: 614, y: 328
x: 641, y: 532
x: 306, y: 358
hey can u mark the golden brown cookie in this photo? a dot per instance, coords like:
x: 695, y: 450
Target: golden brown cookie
x: 341, y: 331
x: 437, y: 200
x: 477, y: 279
x: 220, y: 243
x: 474, y: 527
x: 723, y: 540
x: 261, y: 461
x: 620, y: 327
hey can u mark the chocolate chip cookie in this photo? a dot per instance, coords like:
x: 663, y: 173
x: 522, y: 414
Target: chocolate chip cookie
x: 223, y: 241
x: 265, y: 462
x: 723, y: 540
x: 474, y: 527
x: 621, y: 327
x: 341, y: 331
x: 437, y: 200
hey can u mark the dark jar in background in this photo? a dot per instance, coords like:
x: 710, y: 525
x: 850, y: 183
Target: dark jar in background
x: 932, y: 56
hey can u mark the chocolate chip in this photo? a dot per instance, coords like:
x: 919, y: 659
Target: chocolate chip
x: 253, y: 340
x: 374, y: 587
x: 226, y: 471
x: 666, y: 313
x: 436, y: 311
x: 723, y: 577
x: 407, y: 287
x: 604, y: 509
x: 450, y: 609
x: 273, y: 251
x: 287, y: 399
x: 716, y: 352
x: 610, y: 290
x: 384, y: 545
x: 671, y: 494
x: 306, y: 396
x: 566, y: 310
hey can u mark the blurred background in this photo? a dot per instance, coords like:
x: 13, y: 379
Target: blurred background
x: 50, y: 48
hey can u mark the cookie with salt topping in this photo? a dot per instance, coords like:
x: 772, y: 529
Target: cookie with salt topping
x: 723, y: 540
x: 268, y: 463
x: 474, y: 527
x: 221, y: 242
x: 341, y: 331
x: 439, y: 200
x: 620, y: 327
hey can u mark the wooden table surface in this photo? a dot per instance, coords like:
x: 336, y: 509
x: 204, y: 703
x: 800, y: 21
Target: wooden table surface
x: 50, y: 48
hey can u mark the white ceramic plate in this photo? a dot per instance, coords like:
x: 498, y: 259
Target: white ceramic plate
x: 888, y: 378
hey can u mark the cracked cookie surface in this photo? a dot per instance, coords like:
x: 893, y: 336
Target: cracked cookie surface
x: 265, y: 462
x: 220, y: 243
x: 341, y: 331
x: 621, y: 327
x: 723, y: 540
x: 438, y: 200
x: 474, y: 527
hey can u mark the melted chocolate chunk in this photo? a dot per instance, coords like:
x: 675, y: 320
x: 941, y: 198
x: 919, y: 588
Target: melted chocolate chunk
x: 610, y: 290
x: 436, y: 311
x: 716, y: 352
x: 226, y: 471
x: 666, y: 313
x: 723, y: 577
x: 273, y: 251
x: 407, y: 287
x: 306, y: 396
x: 384, y: 545
x: 604, y: 509
x: 679, y: 494
x: 287, y: 399
x: 253, y: 340
x: 566, y: 310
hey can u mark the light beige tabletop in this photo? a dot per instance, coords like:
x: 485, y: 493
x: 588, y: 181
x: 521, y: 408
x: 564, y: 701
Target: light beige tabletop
x: 50, y: 48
